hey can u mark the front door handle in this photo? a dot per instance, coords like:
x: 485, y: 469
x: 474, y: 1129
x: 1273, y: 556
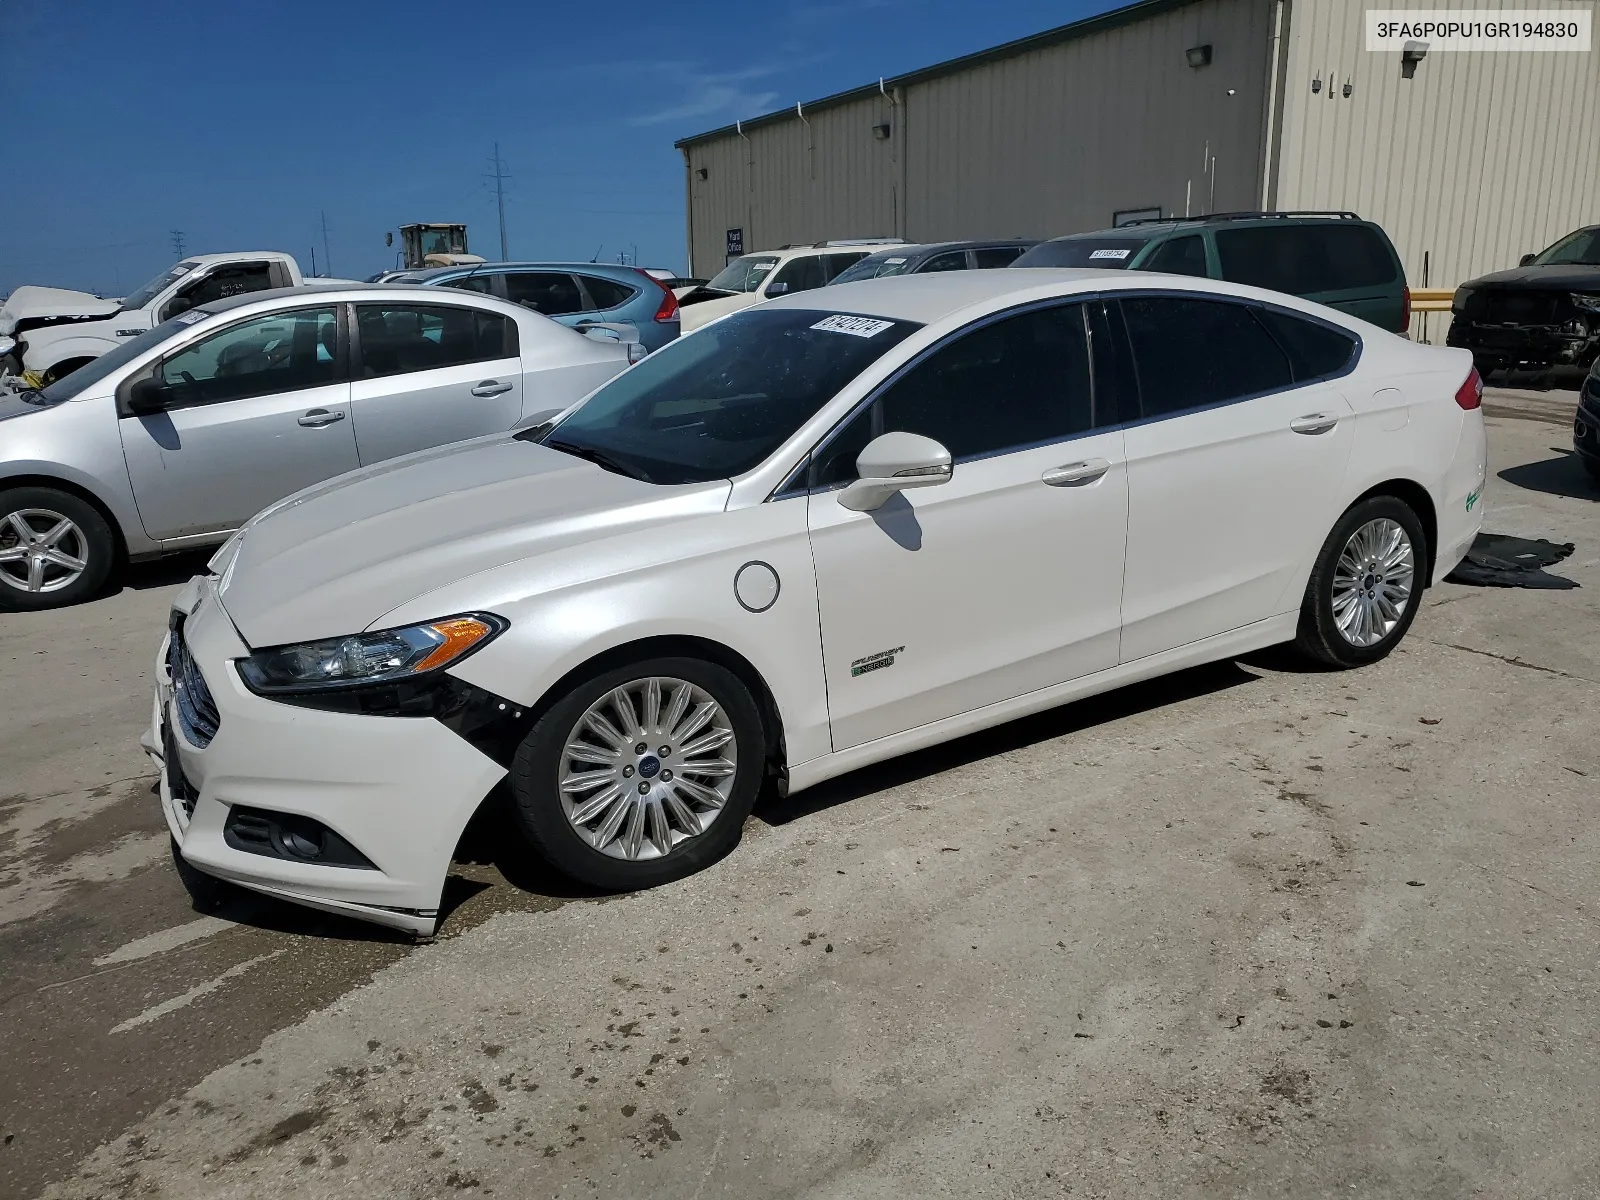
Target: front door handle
x: 1076, y: 474
x: 1314, y: 423
x: 491, y: 387
x: 316, y: 418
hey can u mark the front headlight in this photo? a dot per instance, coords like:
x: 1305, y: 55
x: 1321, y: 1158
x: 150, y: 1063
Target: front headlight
x: 1586, y: 302
x: 384, y: 656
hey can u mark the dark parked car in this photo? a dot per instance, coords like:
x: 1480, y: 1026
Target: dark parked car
x: 1546, y: 313
x: 1336, y: 259
x: 580, y: 295
x: 1586, y: 429
x: 937, y: 256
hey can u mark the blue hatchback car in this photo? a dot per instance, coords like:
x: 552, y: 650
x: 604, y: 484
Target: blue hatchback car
x: 576, y: 294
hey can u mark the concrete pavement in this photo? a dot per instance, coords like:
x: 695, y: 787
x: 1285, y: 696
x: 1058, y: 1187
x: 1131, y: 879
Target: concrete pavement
x: 1250, y: 930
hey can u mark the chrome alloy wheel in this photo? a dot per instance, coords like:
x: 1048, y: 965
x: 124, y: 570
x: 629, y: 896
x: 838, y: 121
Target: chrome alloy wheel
x: 41, y: 550
x: 649, y: 765
x: 1372, y: 582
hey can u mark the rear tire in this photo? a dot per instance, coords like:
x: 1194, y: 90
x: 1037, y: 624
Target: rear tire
x: 55, y: 549
x: 1366, y: 586
x: 670, y: 814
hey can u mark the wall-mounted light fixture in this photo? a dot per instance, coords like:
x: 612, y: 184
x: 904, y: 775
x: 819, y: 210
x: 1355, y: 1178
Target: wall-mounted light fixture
x: 1410, y: 55
x: 1316, y: 84
x: 881, y: 132
x: 1347, y: 89
x: 702, y: 172
x: 1198, y: 56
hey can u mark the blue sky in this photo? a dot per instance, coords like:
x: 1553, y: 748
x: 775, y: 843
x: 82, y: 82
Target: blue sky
x: 241, y: 122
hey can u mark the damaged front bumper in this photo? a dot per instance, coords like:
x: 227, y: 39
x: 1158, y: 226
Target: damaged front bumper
x: 357, y: 815
x: 1573, y: 343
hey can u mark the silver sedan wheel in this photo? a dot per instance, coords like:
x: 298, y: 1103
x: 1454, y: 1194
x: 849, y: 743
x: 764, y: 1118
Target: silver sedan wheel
x: 648, y: 766
x: 1373, y: 581
x: 41, y: 550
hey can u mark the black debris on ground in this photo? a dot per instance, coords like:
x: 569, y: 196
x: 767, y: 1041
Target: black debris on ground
x: 1500, y: 560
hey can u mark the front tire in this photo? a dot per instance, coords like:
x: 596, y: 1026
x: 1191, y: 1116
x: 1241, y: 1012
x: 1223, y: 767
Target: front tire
x: 641, y: 774
x: 1366, y: 586
x: 55, y: 549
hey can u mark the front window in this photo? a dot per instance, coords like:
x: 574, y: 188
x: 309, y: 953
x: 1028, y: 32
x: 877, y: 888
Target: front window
x: 744, y: 274
x: 718, y: 403
x: 1105, y: 251
x: 143, y: 296
x: 1580, y: 249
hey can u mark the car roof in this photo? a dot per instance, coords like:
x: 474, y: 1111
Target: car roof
x: 1153, y: 228
x: 931, y: 297
x: 351, y: 291
x: 927, y: 298
x: 202, y: 259
x: 921, y: 249
x: 495, y: 268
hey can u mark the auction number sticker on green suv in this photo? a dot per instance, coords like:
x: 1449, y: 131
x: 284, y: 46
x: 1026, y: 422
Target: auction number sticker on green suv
x: 855, y: 326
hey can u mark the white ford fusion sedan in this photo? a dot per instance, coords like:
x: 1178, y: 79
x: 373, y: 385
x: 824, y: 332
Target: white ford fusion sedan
x: 818, y: 533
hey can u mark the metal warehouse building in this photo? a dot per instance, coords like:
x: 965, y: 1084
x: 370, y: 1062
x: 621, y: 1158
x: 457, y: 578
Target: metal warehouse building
x: 1171, y: 107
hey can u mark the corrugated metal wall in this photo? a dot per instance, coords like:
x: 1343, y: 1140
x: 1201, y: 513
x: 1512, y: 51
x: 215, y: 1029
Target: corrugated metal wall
x: 1059, y: 139
x: 1052, y: 141
x: 1475, y: 160
x: 792, y: 183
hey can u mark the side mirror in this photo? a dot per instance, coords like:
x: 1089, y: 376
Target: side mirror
x: 777, y: 289
x: 178, y: 304
x: 147, y: 397
x: 1526, y: 259
x: 893, y: 462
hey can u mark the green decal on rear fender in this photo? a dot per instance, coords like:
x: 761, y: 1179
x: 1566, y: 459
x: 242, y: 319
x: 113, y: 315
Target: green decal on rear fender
x: 1472, y: 498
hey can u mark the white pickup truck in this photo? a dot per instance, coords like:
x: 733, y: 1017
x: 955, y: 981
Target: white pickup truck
x: 49, y: 332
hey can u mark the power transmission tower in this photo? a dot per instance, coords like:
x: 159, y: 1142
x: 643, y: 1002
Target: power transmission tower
x: 177, y: 242
x: 499, y: 176
x: 327, y: 259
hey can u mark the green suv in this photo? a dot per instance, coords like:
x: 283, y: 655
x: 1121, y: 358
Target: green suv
x: 1334, y: 258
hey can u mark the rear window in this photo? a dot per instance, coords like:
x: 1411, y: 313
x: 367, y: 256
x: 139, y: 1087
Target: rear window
x: 874, y: 266
x: 608, y: 293
x: 1107, y: 252
x: 1315, y: 350
x: 1305, y: 260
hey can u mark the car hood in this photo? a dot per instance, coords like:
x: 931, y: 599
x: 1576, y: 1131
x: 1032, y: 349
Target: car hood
x: 1573, y: 278
x: 30, y: 301
x: 13, y: 405
x: 693, y: 316
x: 331, y: 560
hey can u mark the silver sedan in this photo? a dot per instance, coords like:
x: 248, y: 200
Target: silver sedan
x: 180, y: 435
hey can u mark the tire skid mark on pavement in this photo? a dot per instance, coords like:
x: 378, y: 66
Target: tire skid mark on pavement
x: 157, y: 1011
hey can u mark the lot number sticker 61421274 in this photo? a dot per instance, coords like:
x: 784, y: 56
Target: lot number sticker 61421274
x: 855, y: 326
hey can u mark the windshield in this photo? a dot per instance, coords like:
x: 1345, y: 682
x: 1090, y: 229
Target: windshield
x: 875, y: 266
x: 716, y: 403
x: 744, y: 274
x: 156, y: 286
x: 95, y: 370
x: 1106, y: 251
x: 1580, y: 249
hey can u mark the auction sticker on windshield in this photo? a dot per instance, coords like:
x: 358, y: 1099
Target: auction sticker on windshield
x: 855, y: 326
x: 1109, y: 254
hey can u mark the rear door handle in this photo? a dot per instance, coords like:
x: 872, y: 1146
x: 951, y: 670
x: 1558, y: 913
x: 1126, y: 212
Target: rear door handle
x: 318, y: 417
x: 1314, y: 423
x: 491, y: 387
x: 1076, y: 474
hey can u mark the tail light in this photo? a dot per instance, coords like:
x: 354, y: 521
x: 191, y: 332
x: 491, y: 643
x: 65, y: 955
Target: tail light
x: 1470, y: 395
x: 1405, y: 310
x: 669, y: 303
